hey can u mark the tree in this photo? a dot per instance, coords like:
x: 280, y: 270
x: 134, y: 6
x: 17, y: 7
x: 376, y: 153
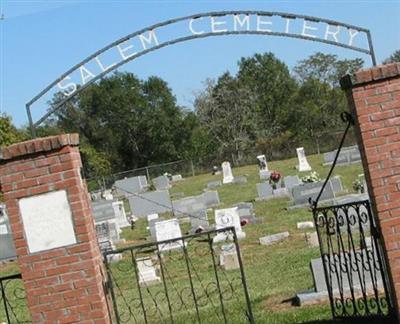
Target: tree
x: 326, y: 68
x: 225, y: 111
x: 395, y: 57
x: 8, y: 132
x: 271, y: 89
x: 129, y: 122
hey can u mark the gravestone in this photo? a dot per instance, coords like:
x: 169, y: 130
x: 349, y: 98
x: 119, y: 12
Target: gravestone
x: 108, y: 231
x: 147, y: 272
x: 214, y: 184
x: 167, y: 230
x: 152, y: 219
x: 199, y: 221
x: 239, y: 180
x: 303, y: 225
x: 246, y: 211
x: 120, y: 215
x: 262, y: 162
x: 302, y: 193
x: 291, y: 182
x: 303, y: 163
x: 361, y: 262
x: 103, y: 210
x: 7, y: 247
x: 227, y: 172
x: 107, y: 195
x: 270, y: 239
x: 186, y: 206
x: 280, y: 193
x: 161, y: 183
x: 129, y: 186
x: 312, y: 239
x: 264, y: 191
x: 347, y: 155
x: 226, y: 218
x: 336, y: 184
x: 152, y: 202
x: 228, y: 258
x: 264, y: 174
x: 210, y: 198
x: 176, y: 177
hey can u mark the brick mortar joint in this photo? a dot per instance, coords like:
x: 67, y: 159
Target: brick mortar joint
x: 38, y: 145
x: 370, y: 75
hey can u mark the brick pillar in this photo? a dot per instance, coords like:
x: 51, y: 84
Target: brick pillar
x: 374, y: 96
x: 52, y: 224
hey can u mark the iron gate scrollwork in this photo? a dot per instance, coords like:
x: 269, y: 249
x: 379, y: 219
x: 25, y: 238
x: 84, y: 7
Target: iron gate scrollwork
x: 13, y: 304
x: 351, y: 251
x: 177, y: 281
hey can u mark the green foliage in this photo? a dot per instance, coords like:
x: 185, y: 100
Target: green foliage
x: 395, y: 57
x: 8, y: 132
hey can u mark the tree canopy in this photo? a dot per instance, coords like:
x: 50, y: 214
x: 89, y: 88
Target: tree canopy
x: 125, y: 122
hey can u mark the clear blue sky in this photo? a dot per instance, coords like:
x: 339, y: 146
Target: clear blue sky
x: 42, y: 39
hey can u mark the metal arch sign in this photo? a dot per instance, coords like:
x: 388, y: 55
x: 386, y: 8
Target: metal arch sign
x: 196, y: 26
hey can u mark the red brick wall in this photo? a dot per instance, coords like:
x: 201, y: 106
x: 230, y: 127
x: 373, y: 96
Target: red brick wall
x: 374, y: 96
x: 64, y: 284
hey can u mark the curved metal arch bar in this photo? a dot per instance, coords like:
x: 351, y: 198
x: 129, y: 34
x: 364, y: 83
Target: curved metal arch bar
x: 186, y: 38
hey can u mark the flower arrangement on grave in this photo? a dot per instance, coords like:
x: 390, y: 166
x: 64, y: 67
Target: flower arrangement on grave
x: 312, y: 177
x: 274, y: 178
x: 358, y: 186
x: 168, y: 175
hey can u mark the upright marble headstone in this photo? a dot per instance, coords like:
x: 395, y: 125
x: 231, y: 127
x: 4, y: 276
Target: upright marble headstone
x: 167, y: 230
x: 246, y: 211
x: 228, y: 258
x: 152, y: 219
x: 262, y: 162
x: 303, y: 163
x: 146, y: 272
x: 227, y: 172
x: 226, y: 218
x: 176, y: 177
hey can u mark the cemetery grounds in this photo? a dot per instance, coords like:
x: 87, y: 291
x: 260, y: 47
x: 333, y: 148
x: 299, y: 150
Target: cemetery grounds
x: 274, y: 273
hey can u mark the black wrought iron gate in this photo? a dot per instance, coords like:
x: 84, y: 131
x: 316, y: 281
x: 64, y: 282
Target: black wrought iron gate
x: 180, y: 281
x: 351, y: 251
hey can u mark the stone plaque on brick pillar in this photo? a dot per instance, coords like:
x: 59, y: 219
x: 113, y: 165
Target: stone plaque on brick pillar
x: 53, y: 229
x: 374, y: 97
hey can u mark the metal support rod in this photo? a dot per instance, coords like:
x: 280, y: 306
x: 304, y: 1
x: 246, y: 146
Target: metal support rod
x: 109, y: 279
x: 246, y: 293
x: 164, y: 282
x: 216, y: 276
x: 31, y: 124
x: 190, y: 280
x: 138, y: 285
x: 3, y: 295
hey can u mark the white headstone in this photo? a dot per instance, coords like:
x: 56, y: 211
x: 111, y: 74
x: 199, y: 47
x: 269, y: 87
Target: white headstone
x: 151, y: 217
x: 226, y: 218
x: 107, y: 195
x: 47, y: 221
x: 302, y: 225
x: 120, y: 215
x: 303, y: 163
x: 228, y: 258
x: 167, y: 230
x: 262, y: 160
x: 146, y: 272
x: 227, y: 172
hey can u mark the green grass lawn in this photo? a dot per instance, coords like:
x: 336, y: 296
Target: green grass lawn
x: 274, y: 273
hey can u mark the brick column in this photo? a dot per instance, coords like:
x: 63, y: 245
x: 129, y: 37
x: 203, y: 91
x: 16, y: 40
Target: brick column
x: 374, y: 96
x: 63, y: 280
